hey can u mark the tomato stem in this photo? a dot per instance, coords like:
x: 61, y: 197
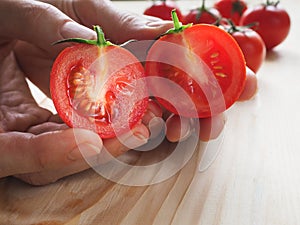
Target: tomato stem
x: 178, y: 27
x: 101, y: 42
x: 269, y: 2
x: 176, y: 21
x: 100, y: 37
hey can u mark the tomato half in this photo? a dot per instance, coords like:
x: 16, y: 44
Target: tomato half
x: 231, y: 9
x: 99, y: 88
x: 205, y: 61
x: 273, y: 23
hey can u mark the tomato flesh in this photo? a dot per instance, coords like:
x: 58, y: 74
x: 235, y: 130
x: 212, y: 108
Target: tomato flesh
x: 99, y: 88
x: 206, y: 62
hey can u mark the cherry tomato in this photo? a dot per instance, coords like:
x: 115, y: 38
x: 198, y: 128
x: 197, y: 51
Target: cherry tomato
x: 231, y: 9
x: 252, y: 45
x: 273, y: 22
x: 202, y: 15
x: 97, y: 85
x: 163, y: 9
x: 203, y: 60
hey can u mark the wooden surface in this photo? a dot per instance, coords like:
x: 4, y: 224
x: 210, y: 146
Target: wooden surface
x: 254, y: 179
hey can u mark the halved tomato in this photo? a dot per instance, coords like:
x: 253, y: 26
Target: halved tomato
x: 202, y: 61
x: 99, y: 86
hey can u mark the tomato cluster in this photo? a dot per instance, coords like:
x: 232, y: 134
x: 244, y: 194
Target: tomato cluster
x: 195, y: 71
x: 257, y: 29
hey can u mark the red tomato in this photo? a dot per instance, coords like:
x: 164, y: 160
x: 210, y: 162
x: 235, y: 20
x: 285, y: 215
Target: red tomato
x: 196, y: 16
x: 273, y: 23
x: 205, y: 61
x: 252, y: 45
x: 97, y: 86
x: 163, y: 9
x: 202, y: 15
x: 231, y: 9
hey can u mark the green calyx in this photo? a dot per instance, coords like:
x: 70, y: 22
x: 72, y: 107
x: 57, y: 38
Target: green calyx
x: 100, y: 41
x: 233, y: 28
x: 274, y: 3
x: 178, y: 27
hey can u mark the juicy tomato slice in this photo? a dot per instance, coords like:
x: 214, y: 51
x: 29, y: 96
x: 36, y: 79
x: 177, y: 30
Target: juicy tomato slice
x: 206, y: 62
x: 99, y: 88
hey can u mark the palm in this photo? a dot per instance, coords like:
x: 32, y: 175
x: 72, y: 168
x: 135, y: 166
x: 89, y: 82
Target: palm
x: 18, y: 109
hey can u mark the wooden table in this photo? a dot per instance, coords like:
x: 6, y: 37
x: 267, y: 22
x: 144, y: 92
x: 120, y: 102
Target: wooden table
x: 254, y: 179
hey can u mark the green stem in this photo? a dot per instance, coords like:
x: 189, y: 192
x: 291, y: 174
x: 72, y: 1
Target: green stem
x: 178, y: 27
x: 176, y: 21
x: 203, y: 5
x: 100, y: 36
x: 101, y: 42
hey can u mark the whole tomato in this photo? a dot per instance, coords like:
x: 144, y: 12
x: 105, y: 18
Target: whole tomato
x: 273, y: 22
x: 163, y: 9
x: 202, y: 15
x: 251, y: 44
x: 231, y: 9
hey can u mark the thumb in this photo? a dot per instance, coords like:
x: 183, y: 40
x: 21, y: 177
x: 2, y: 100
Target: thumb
x: 38, y: 23
x: 52, y: 151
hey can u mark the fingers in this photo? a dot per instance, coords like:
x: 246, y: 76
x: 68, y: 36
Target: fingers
x: 114, y: 147
x: 211, y: 128
x: 38, y: 23
x: 180, y: 128
x: 126, y: 25
x: 46, y: 127
x: 52, y: 155
x: 45, y: 158
x: 250, y: 86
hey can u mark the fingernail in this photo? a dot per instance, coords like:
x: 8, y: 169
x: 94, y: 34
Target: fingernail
x: 185, y: 131
x: 149, y: 115
x: 156, y: 126
x: 74, y: 30
x: 84, y: 150
x: 135, y: 140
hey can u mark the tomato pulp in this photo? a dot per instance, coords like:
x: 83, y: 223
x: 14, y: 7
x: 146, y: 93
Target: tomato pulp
x: 205, y: 61
x: 100, y: 88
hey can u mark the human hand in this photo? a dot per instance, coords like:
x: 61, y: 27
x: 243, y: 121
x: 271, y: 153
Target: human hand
x: 35, y: 145
x: 34, y: 59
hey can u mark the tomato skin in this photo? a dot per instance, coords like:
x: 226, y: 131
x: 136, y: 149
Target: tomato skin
x: 231, y: 9
x: 203, y: 60
x: 196, y: 16
x: 163, y: 10
x: 253, y: 47
x: 130, y: 109
x: 273, y: 23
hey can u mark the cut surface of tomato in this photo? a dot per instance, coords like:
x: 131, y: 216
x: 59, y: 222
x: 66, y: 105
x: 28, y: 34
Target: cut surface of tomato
x: 99, y: 88
x: 203, y: 60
